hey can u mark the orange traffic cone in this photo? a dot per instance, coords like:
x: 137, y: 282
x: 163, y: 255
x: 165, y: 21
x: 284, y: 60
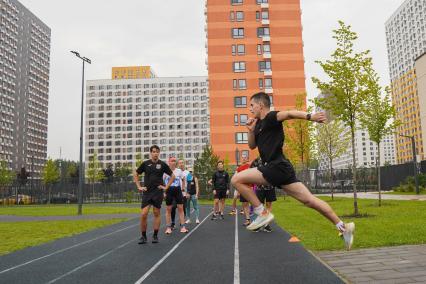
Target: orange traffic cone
x: 293, y: 239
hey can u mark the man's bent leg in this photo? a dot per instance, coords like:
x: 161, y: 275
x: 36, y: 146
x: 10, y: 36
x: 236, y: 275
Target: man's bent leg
x: 299, y: 191
x: 249, y: 176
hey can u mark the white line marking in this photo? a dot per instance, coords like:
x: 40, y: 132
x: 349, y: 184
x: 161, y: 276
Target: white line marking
x: 149, y: 272
x: 236, y: 254
x: 65, y: 249
x: 90, y: 262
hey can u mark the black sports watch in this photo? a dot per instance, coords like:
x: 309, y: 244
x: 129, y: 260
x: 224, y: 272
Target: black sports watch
x: 308, y: 116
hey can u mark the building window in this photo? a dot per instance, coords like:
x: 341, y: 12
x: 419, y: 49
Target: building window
x: 242, y: 84
x: 264, y: 65
x: 232, y: 16
x: 268, y: 82
x: 259, y: 49
x: 265, y: 15
x: 239, y: 66
x: 271, y: 100
x: 260, y: 83
x: 243, y: 119
x: 235, y: 84
x: 245, y: 154
x: 239, y: 16
x: 234, y: 50
x: 236, y: 119
x: 266, y: 48
x: 240, y: 102
x: 238, y: 33
x: 241, y: 49
x: 262, y: 32
x: 236, y: 2
x: 257, y: 16
x: 241, y: 138
x: 261, y: 1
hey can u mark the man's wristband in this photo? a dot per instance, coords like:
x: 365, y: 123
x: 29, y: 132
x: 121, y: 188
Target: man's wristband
x: 308, y: 116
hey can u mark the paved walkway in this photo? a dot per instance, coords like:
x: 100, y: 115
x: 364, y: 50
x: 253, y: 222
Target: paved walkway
x: 375, y: 195
x: 402, y: 264
x: 12, y: 218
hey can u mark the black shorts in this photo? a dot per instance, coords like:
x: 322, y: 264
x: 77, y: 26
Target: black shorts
x: 278, y: 172
x: 152, y: 197
x: 174, y: 194
x: 267, y: 195
x: 220, y: 194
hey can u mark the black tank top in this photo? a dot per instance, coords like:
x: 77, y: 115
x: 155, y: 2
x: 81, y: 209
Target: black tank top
x: 191, y: 187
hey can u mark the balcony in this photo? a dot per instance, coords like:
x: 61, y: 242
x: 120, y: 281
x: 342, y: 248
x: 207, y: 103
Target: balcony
x: 269, y: 90
x: 267, y: 55
x: 264, y: 5
x: 266, y: 38
x: 267, y: 72
x: 265, y: 22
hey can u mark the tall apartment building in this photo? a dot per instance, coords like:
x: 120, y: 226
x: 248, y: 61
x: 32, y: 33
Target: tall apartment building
x: 24, y: 87
x: 420, y: 67
x: 132, y: 72
x: 125, y: 117
x: 406, y: 41
x: 252, y: 46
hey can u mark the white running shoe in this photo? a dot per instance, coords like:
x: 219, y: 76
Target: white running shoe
x: 197, y: 221
x: 260, y: 221
x: 188, y: 221
x: 348, y: 235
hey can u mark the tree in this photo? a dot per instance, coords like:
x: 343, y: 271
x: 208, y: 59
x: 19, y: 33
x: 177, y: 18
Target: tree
x: 6, y: 178
x: 333, y: 140
x: 122, y: 172
x: 379, y: 117
x: 299, y: 138
x: 205, y: 165
x: 94, y: 172
x: 50, y: 176
x: 348, y: 88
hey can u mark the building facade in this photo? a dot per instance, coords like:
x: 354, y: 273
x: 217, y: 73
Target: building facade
x: 420, y: 67
x: 125, y: 117
x: 132, y: 72
x: 24, y: 87
x: 252, y: 46
x: 406, y: 41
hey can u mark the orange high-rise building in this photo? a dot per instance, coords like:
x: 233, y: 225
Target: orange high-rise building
x: 253, y: 46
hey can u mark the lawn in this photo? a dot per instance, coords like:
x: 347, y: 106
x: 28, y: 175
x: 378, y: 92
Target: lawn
x: 395, y: 223
x: 65, y: 210
x: 19, y: 235
x: 404, y: 193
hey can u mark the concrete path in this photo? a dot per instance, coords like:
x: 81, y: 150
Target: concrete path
x: 220, y: 251
x: 402, y: 264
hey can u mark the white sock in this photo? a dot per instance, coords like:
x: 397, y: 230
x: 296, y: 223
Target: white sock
x: 259, y: 209
x: 340, y: 226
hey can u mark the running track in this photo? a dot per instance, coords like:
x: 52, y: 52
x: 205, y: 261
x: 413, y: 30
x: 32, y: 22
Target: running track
x: 219, y: 251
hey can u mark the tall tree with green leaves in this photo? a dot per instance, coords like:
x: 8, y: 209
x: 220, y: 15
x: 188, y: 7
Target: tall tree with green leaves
x: 94, y: 172
x: 7, y: 176
x: 122, y: 172
x: 204, y: 166
x: 299, y: 145
x: 348, y: 87
x: 379, y: 117
x: 333, y: 140
x: 50, y: 176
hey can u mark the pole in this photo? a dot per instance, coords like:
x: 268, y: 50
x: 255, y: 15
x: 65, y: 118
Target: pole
x: 416, y: 178
x: 81, y: 173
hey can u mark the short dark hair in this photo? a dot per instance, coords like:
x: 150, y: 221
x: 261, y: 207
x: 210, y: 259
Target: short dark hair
x: 263, y: 98
x: 219, y: 162
x: 154, y: 147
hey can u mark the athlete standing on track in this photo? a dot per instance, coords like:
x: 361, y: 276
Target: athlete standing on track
x: 220, y: 183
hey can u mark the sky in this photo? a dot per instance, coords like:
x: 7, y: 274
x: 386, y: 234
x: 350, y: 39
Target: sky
x: 170, y: 37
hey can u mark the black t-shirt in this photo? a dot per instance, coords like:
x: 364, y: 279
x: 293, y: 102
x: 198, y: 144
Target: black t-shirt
x: 269, y: 137
x: 220, y: 180
x: 192, y: 189
x: 153, y: 173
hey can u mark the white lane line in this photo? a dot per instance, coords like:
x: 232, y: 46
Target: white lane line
x: 65, y: 249
x: 149, y: 272
x: 236, y: 254
x: 90, y: 262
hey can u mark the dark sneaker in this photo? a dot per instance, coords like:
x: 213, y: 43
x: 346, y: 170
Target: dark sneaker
x: 155, y: 239
x: 142, y: 240
x: 222, y: 217
x: 257, y: 230
x: 267, y: 229
x: 246, y: 223
x: 172, y: 226
x: 214, y: 217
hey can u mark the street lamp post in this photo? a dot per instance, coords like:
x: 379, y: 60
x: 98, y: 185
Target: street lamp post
x: 413, y: 146
x: 81, y: 173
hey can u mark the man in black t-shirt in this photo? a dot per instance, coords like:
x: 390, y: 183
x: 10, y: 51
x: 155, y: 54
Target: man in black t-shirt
x: 266, y: 133
x: 220, y: 183
x: 152, y: 191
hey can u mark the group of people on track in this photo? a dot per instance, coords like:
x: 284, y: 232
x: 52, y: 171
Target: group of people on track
x: 255, y: 183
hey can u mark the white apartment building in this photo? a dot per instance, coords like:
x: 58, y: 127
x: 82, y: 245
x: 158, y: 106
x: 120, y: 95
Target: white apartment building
x: 125, y: 117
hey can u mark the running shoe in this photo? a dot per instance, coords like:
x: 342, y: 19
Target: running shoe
x: 214, y: 217
x: 168, y: 231
x: 348, y: 235
x: 241, y: 212
x: 184, y: 230
x: 155, y: 239
x: 267, y: 229
x: 172, y: 226
x: 232, y: 212
x: 222, y: 217
x: 142, y: 240
x: 197, y: 221
x: 188, y: 221
x: 246, y: 223
x: 261, y: 220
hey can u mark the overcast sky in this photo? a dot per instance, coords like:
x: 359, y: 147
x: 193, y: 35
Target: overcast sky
x: 169, y: 36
